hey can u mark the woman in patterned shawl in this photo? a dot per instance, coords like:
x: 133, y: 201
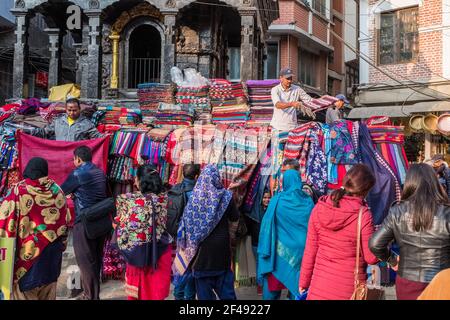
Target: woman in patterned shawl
x: 35, y: 212
x: 142, y: 237
x: 203, y: 243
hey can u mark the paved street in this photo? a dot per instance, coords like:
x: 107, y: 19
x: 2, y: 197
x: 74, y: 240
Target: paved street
x: 114, y: 290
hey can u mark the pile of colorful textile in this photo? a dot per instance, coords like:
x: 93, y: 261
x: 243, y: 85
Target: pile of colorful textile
x: 150, y: 95
x: 229, y: 102
x: 8, y: 159
x: 195, y: 98
x: 171, y: 116
x: 261, y: 106
x: 55, y: 109
x: 120, y: 115
x: 31, y: 106
x: 389, y: 140
x: 304, y: 144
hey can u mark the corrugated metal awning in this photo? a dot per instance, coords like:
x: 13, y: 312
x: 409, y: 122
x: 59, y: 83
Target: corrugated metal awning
x: 399, y: 111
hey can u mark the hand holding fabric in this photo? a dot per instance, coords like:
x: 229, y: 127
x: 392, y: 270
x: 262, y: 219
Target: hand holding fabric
x: 307, y: 112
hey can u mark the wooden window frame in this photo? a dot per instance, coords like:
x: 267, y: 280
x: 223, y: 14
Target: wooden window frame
x: 396, y: 35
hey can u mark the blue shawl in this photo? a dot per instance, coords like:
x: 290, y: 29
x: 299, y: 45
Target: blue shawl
x: 283, y: 233
x: 203, y: 212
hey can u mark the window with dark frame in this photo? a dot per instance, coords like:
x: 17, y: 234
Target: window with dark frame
x: 320, y: 6
x: 398, y: 36
x: 307, y: 66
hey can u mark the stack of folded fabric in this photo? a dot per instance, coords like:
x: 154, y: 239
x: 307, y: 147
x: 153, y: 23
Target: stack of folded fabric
x: 52, y: 111
x: 318, y: 104
x: 229, y: 102
x: 150, y: 95
x: 194, y: 98
x: 261, y: 106
x: 203, y: 119
x: 171, y: 116
x: 389, y: 142
x: 120, y: 115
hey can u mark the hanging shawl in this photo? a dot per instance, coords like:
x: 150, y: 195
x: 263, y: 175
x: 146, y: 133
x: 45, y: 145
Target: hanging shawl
x: 34, y: 211
x: 283, y: 232
x: 386, y: 189
x: 205, y: 209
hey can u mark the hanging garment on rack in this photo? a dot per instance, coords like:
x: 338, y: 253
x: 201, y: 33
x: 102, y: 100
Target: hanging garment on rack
x: 389, y: 140
x: 386, y: 189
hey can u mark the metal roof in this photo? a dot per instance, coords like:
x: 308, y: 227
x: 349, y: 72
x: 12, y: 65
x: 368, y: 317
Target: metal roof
x: 398, y: 111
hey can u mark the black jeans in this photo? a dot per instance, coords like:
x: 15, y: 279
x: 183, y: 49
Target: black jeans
x: 89, y: 256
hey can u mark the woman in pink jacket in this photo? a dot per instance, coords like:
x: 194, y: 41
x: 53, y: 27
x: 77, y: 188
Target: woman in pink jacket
x: 329, y: 260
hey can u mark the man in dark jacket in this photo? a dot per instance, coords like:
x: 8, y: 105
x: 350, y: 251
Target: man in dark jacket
x: 178, y: 198
x: 442, y: 172
x: 88, y: 185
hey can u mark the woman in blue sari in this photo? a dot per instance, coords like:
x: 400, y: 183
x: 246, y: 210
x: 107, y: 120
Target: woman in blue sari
x: 282, y: 238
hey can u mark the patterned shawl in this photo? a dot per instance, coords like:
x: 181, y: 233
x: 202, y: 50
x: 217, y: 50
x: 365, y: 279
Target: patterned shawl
x: 205, y: 209
x: 134, y: 219
x: 36, y: 212
x: 135, y: 230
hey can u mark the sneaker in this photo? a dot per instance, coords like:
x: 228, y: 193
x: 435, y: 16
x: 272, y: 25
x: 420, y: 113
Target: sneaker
x: 259, y: 290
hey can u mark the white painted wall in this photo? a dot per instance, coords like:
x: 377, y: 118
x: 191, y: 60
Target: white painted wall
x: 364, y: 40
x: 350, y: 29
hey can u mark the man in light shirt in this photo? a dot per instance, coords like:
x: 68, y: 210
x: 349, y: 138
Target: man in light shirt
x: 334, y: 112
x: 286, y: 98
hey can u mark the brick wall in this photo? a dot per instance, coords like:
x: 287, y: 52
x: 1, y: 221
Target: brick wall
x: 289, y: 54
x: 320, y: 27
x: 338, y: 5
x: 338, y: 48
x: 429, y: 62
x: 291, y: 11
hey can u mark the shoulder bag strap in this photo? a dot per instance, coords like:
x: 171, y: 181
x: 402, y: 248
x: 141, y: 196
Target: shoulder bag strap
x: 154, y: 246
x: 358, y: 246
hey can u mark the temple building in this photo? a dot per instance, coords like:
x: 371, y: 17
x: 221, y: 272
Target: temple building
x: 122, y: 43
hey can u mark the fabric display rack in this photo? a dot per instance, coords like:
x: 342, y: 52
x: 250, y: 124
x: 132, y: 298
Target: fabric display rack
x: 174, y: 128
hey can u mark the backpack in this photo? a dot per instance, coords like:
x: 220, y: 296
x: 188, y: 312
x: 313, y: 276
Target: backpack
x: 175, y: 208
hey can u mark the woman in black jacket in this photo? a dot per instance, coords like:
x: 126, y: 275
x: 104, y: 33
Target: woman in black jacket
x: 420, y: 225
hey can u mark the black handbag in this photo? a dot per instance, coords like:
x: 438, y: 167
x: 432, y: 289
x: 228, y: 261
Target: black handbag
x: 97, y: 219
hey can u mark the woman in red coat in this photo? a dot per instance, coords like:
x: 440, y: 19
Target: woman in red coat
x: 329, y: 260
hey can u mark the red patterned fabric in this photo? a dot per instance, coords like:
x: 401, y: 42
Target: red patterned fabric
x: 35, y: 212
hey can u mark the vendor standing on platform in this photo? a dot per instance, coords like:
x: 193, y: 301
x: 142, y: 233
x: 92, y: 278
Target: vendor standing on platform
x: 286, y: 98
x: 335, y: 112
x: 70, y: 127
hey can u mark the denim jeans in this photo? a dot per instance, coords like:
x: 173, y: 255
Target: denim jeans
x: 185, y: 289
